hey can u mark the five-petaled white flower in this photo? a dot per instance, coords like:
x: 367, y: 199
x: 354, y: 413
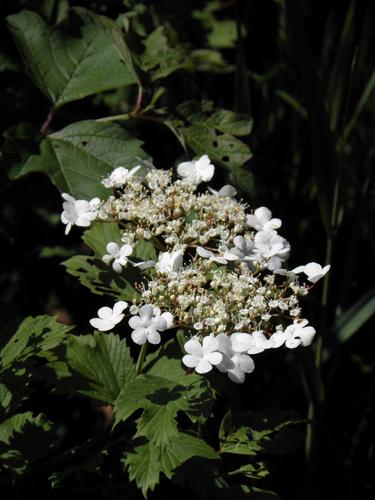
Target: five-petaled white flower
x: 203, y: 356
x: 149, y: 323
x: 119, y: 176
x: 294, y: 335
x: 108, y: 318
x: 196, y: 171
x: 236, y: 364
x: 312, y: 270
x: 78, y: 212
x: 207, y: 254
x: 169, y: 262
x: 261, y: 220
x: 118, y: 254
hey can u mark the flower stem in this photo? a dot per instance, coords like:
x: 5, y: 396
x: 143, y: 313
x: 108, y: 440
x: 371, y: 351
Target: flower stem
x: 141, y: 358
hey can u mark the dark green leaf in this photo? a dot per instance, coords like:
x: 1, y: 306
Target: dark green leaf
x: 250, y: 433
x: 99, y: 235
x: 146, y: 462
x: 101, y: 279
x: 78, y: 157
x: 33, y: 337
x: 213, y: 132
x: 66, y: 67
x: 159, y: 57
x: 105, y: 363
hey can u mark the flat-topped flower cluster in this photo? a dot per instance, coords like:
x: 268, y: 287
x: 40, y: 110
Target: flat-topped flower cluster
x: 219, y: 273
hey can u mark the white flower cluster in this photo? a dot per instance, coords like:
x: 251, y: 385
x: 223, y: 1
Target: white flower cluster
x: 219, y: 274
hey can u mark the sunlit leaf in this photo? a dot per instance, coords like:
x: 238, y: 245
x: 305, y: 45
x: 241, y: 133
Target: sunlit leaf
x: 68, y: 67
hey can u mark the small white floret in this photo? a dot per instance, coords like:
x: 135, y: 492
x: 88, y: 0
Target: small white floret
x: 261, y: 220
x: 203, y: 356
x: 228, y: 191
x: 119, y: 176
x: 78, y: 212
x: 294, y: 335
x: 169, y: 262
x: 243, y: 251
x: 119, y: 255
x: 313, y: 271
x: 234, y: 363
x: 108, y: 318
x: 147, y: 325
x: 196, y: 171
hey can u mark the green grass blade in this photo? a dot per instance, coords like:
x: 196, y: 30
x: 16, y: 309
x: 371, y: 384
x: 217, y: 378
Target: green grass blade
x: 353, y: 319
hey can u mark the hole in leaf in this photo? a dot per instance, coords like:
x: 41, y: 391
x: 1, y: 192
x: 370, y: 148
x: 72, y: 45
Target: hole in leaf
x: 84, y: 143
x: 225, y: 158
x: 215, y: 144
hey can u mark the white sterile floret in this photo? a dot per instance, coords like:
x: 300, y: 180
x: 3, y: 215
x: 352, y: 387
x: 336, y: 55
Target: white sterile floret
x: 78, y: 212
x: 253, y: 343
x: 243, y: 250
x: 272, y: 247
x: 118, y: 254
x: 148, y: 324
x: 203, y: 356
x: 261, y: 220
x: 228, y: 191
x: 196, y: 171
x: 119, y: 176
x: 236, y: 364
x: 294, y: 335
x: 207, y: 254
x: 169, y: 262
x: 108, y: 318
x: 313, y: 271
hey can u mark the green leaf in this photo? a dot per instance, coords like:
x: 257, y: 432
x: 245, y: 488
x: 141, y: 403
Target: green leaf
x: 250, y: 433
x: 252, y: 471
x: 48, y: 252
x: 213, y: 132
x: 33, y: 337
x: 242, y: 178
x: 166, y: 447
x: 99, y: 235
x: 24, y: 438
x: 149, y: 391
x: 223, y: 34
x: 166, y: 363
x: 353, y: 319
x: 146, y: 461
x: 101, y: 279
x: 104, y: 362
x: 16, y: 423
x: 77, y: 157
x: 237, y: 124
x: 159, y: 57
x: 144, y: 251
x: 367, y: 92
x: 5, y: 398
x: 69, y: 67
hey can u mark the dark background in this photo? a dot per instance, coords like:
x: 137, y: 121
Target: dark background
x: 292, y: 164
